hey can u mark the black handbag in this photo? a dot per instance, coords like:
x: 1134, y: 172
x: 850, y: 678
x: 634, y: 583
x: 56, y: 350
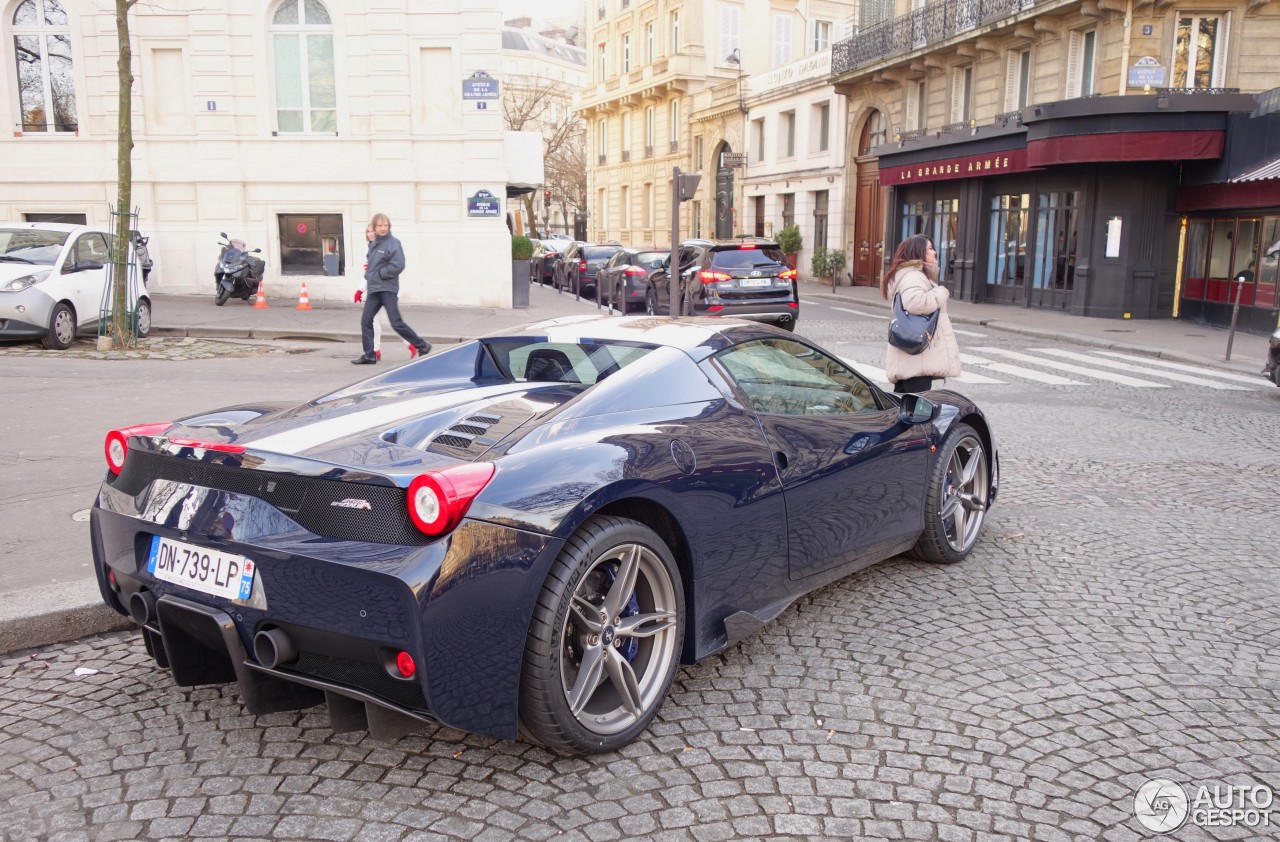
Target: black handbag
x: 909, y: 332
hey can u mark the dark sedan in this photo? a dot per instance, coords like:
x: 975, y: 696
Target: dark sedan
x: 579, y: 263
x: 626, y: 276
x: 526, y: 534
x: 542, y: 265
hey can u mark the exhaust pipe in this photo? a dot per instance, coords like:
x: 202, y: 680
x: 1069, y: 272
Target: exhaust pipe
x: 142, y: 607
x: 273, y: 647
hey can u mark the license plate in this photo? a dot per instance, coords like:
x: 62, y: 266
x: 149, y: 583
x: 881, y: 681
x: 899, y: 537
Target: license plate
x: 755, y: 282
x: 200, y: 568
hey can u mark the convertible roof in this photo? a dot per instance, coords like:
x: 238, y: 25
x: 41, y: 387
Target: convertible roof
x: 686, y: 334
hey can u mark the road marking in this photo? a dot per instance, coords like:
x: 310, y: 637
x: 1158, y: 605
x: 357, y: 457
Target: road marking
x: 1253, y: 381
x: 1019, y: 371
x: 1137, y: 369
x: 968, y: 333
x: 1075, y: 369
x: 877, y: 374
x: 860, y: 313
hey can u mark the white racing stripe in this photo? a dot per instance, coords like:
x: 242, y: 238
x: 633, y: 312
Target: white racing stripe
x: 1224, y: 375
x: 1075, y: 369
x: 299, y: 439
x: 1137, y: 369
x: 1019, y: 371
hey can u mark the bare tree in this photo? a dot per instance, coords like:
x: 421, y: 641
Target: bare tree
x: 536, y: 103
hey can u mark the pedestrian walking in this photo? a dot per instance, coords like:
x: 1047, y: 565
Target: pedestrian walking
x: 369, y: 237
x: 913, y: 274
x: 385, y: 260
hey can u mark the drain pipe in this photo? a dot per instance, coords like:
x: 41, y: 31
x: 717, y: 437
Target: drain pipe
x: 1124, y: 52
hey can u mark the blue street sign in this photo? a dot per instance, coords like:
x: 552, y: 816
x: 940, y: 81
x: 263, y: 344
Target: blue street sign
x: 483, y: 204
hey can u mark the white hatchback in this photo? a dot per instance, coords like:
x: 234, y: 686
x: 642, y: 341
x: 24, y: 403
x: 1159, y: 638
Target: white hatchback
x: 53, y: 282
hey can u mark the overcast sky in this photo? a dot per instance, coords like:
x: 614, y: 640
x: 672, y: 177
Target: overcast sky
x: 542, y: 9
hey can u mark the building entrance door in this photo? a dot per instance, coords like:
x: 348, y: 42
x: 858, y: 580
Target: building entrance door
x: 724, y: 202
x: 868, y: 225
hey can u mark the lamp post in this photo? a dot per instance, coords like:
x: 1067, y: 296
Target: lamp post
x: 735, y: 58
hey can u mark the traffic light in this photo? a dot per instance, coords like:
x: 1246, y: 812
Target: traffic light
x: 546, y: 195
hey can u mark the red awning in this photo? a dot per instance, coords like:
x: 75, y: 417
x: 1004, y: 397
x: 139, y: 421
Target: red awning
x: 1198, y: 144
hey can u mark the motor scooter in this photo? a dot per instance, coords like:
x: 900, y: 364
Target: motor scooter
x: 238, y: 273
x: 143, y: 254
x: 1272, y: 370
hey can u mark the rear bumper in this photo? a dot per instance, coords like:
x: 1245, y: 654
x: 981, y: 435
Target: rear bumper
x: 460, y: 607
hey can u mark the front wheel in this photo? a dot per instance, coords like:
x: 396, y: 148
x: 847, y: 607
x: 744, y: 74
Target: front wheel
x: 604, y: 641
x: 220, y: 297
x: 650, y: 302
x: 62, y: 328
x: 957, y: 499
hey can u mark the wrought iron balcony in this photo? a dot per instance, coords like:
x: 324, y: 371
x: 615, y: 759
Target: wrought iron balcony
x: 935, y: 22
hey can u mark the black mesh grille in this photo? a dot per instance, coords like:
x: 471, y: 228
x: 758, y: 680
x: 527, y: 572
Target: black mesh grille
x: 371, y: 678
x: 305, y: 499
x: 448, y: 440
x: 469, y: 429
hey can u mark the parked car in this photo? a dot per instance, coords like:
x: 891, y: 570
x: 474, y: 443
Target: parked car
x: 558, y: 264
x: 53, y: 282
x: 579, y: 263
x: 746, y: 278
x: 543, y: 263
x: 628, y: 272
x: 525, y: 534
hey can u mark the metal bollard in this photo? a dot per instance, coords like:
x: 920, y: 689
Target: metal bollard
x: 1235, y: 314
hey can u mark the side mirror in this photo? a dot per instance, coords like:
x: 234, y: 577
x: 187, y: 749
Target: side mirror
x: 257, y: 251
x: 917, y: 410
x: 86, y: 265
x: 222, y: 234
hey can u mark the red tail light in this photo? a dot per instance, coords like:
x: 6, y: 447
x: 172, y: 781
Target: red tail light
x: 116, y: 446
x: 633, y: 270
x: 748, y: 246
x: 405, y: 664
x: 715, y: 307
x: 712, y: 277
x: 582, y: 266
x: 793, y: 305
x: 787, y: 275
x: 438, y: 500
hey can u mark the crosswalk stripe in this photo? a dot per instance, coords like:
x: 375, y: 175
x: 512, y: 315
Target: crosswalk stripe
x: 860, y: 313
x: 1254, y: 381
x: 969, y: 333
x: 1136, y: 369
x: 878, y: 374
x: 1075, y: 369
x: 1019, y: 371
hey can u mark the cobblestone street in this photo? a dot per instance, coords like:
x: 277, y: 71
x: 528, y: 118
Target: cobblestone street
x: 1119, y: 621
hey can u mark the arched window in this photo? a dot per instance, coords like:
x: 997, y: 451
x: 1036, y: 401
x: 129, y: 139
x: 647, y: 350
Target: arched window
x: 46, y: 86
x: 302, y: 46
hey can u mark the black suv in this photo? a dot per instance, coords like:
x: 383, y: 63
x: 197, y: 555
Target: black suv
x: 746, y: 278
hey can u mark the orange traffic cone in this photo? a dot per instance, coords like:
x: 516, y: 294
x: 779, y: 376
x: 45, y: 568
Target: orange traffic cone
x: 261, y: 302
x: 304, y: 303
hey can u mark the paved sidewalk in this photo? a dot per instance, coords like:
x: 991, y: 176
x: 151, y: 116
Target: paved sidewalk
x: 67, y: 613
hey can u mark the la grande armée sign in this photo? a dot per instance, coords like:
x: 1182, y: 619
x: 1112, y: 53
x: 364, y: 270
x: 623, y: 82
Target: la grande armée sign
x: 965, y: 166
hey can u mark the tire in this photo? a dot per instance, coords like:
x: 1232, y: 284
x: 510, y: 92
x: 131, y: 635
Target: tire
x: 62, y: 328
x: 650, y: 302
x: 143, y: 315
x: 220, y: 297
x: 607, y: 706
x: 960, y: 485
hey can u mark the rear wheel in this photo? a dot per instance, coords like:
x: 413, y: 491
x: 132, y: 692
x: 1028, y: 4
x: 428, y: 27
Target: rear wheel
x: 604, y: 641
x: 650, y: 302
x: 62, y: 328
x: 144, y: 318
x: 957, y: 499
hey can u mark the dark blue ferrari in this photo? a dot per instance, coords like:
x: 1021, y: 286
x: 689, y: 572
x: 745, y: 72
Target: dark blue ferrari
x: 525, y: 535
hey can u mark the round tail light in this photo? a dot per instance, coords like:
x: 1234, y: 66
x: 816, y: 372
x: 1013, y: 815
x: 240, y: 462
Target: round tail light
x: 405, y: 664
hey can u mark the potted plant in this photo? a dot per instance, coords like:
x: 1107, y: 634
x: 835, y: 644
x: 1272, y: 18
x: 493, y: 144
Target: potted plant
x: 521, y: 251
x: 790, y: 242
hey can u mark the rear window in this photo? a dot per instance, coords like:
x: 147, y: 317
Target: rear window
x: 740, y: 258
x: 600, y: 252
x: 561, y: 362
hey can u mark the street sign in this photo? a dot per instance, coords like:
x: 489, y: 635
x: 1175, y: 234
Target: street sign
x: 479, y: 86
x: 484, y: 204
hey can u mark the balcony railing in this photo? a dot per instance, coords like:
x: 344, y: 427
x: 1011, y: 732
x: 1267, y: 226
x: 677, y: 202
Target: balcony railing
x: 626, y: 154
x: 935, y: 22
x: 603, y: 159
x: 675, y: 146
x: 648, y: 151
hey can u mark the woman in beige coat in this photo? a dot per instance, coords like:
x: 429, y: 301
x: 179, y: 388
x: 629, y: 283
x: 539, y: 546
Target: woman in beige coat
x: 914, y: 275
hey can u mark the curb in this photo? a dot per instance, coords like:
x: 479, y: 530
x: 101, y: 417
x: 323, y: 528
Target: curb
x: 55, y: 614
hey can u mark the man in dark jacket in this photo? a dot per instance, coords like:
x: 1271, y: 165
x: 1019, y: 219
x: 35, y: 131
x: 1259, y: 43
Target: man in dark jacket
x: 386, y: 262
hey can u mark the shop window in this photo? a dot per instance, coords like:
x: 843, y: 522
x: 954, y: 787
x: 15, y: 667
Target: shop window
x: 302, y: 49
x: 1199, y: 51
x: 915, y: 219
x: 1057, y: 235
x: 1193, y: 273
x: 1222, y: 250
x: 311, y: 244
x: 788, y: 209
x: 1269, y: 265
x: 757, y: 203
x: 946, y: 221
x: 46, y: 83
x: 1007, y: 253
